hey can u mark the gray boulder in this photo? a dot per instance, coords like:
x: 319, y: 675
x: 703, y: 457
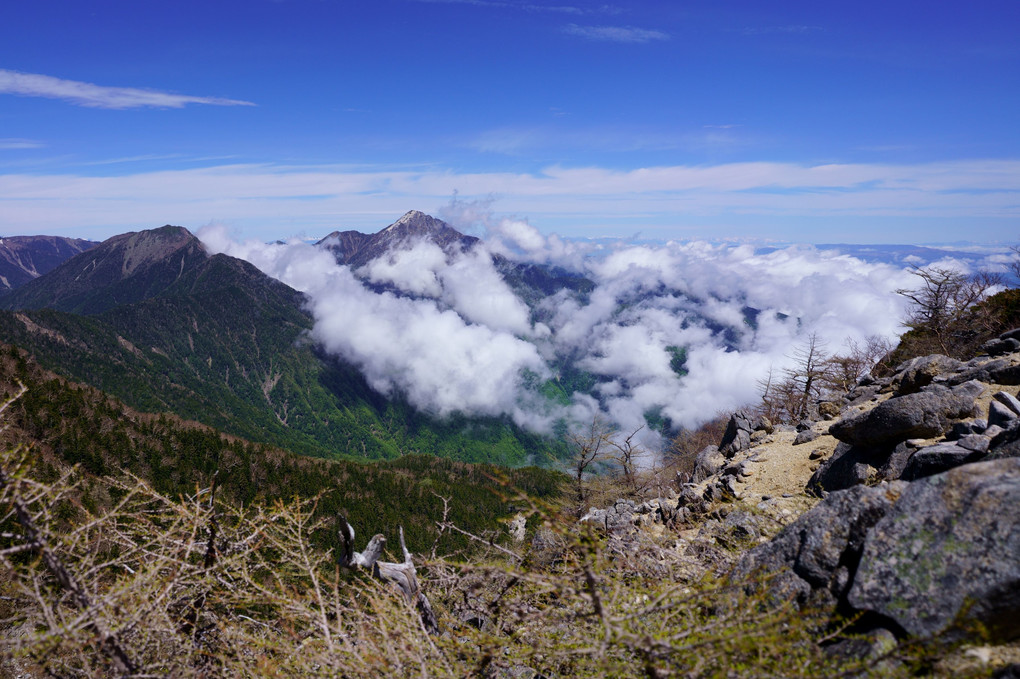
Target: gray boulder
x: 981, y: 370
x: 999, y: 347
x: 962, y: 429
x: 999, y: 414
x: 1011, y: 334
x: 1009, y: 400
x: 937, y: 459
x: 949, y: 548
x: 815, y: 556
x: 849, y: 466
x: 708, y: 462
x: 805, y: 436
x: 737, y: 436
x: 1005, y: 374
x: 975, y: 442
x: 1006, y: 443
x: 922, y: 415
x: 919, y: 372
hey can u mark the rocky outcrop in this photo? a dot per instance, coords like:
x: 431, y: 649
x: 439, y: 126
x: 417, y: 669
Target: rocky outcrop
x: 923, y: 558
x: 918, y: 415
x: 817, y: 554
x: 948, y: 549
x: 918, y: 530
x: 737, y: 436
x: 932, y: 397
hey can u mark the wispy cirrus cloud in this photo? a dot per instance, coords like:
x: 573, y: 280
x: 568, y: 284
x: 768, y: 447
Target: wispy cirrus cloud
x: 16, y: 143
x: 530, y: 6
x: 791, y: 29
x: 99, y: 96
x: 626, y: 34
x: 978, y: 198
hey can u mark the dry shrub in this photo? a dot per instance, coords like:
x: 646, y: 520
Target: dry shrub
x: 688, y: 443
x: 194, y: 588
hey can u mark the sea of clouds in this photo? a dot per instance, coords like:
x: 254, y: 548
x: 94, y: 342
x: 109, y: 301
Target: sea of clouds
x: 447, y: 332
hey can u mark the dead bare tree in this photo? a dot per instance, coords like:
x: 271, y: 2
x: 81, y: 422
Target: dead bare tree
x: 627, y: 454
x: 587, y: 446
x: 942, y: 304
x: 860, y: 357
x: 403, y: 575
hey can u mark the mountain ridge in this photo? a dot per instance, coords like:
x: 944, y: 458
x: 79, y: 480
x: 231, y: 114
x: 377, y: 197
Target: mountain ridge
x: 25, y: 258
x: 214, y: 339
x: 126, y: 268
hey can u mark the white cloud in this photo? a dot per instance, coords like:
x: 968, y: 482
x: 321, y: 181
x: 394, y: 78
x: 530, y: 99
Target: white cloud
x: 466, y: 343
x: 15, y: 143
x: 98, y: 96
x: 983, y: 194
x: 627, y: 34
x: 442, y: 361
x: 529, y: 6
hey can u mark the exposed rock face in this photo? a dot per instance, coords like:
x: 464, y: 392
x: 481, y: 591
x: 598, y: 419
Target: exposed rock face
x: 127, y: 268
x: 950, y: 545
x: 356, y: 249
x: 25, y: 258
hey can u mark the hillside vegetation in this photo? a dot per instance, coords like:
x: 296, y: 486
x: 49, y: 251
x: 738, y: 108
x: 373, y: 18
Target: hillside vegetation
x: 71, y: 424
x: 214, y: 340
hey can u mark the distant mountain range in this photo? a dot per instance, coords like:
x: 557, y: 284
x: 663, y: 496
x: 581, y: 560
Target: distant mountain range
x: 152, y: 318
x: 25, y: 258
x: 155, y: 319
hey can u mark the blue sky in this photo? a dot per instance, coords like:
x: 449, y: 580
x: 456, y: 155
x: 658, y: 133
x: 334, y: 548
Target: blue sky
x: 793, y: 121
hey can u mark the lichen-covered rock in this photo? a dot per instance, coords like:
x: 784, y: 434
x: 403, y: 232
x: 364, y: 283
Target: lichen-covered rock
x: 921, y: 415
x: 817, y: 552
x: 949, y: 547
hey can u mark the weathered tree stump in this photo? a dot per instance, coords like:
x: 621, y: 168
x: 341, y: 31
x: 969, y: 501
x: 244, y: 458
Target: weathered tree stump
x: 403, y: 575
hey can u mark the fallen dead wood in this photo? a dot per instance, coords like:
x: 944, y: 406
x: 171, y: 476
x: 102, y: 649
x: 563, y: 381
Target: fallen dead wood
x: 403, y: 575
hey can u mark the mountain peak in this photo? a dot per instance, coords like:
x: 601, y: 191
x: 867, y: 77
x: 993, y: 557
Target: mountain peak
x: 355, y: 249
x: 415, y: 221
